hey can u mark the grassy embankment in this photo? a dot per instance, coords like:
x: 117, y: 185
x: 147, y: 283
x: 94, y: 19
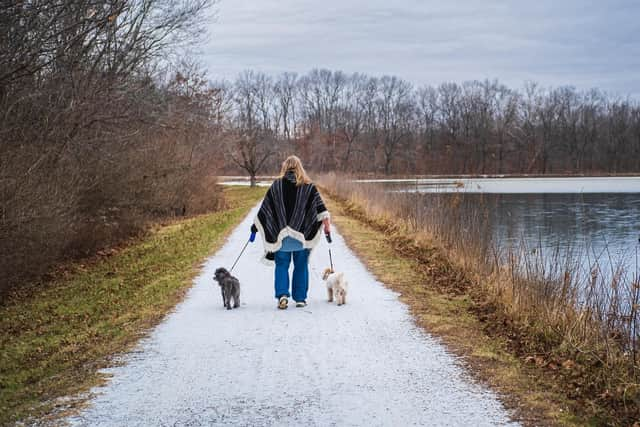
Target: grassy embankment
x: 55, y: 337
x: 540, y: 379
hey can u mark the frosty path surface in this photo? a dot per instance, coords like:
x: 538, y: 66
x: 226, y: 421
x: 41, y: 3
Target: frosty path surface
x: 363, y: 364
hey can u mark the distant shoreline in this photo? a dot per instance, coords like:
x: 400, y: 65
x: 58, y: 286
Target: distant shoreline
x: 223, y: 178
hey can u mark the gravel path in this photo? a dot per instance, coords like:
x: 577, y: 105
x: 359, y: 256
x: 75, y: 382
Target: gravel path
x: 363, y: 364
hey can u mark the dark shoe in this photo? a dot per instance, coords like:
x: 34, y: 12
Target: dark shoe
x: 283, y: 302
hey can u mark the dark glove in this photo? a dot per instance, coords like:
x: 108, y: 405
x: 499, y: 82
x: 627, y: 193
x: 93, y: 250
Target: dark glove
x: 328, y: 237
x: 254, y: 230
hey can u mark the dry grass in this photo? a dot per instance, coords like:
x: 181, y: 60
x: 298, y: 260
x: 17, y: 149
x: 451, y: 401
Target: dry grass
x: 56, y: 336
x: 583, y: 368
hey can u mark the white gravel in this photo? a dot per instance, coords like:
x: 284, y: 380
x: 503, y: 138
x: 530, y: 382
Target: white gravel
x: 362, y: 364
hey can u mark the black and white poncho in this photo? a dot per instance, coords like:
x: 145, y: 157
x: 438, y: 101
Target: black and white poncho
x: 290, y: 210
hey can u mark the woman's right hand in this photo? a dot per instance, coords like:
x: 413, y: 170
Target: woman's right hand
x: 327, y: 226
x: 327, y: 229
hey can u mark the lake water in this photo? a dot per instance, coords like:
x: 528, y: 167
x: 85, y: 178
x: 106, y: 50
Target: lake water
x: 600, y: 227
x: 596, y: 220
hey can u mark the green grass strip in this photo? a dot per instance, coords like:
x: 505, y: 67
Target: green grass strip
x: 53, y: 339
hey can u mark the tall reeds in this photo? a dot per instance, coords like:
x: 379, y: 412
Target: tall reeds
x: 575, y: 312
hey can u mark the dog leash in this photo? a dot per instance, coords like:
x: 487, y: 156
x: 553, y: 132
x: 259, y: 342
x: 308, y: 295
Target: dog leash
x: 238, y: 259
x: 328, y: 237
x: 330, y: 259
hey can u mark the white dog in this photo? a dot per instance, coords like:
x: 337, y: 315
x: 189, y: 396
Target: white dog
x: 337, y: 286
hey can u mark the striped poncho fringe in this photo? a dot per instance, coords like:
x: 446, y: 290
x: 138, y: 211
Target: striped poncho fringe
x: 305, y: 220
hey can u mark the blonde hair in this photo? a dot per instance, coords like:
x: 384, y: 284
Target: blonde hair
x: 293, y: 163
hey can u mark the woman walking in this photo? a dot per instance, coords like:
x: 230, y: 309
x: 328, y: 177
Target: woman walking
x: 290, y: 220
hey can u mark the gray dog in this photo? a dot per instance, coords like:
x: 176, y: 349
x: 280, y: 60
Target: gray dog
x: 229, y: 286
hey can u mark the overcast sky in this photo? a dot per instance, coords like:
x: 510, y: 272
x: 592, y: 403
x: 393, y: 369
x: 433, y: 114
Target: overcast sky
x: 584, y: 43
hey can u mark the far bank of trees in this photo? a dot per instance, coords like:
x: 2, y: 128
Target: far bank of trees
x: 358, y: 123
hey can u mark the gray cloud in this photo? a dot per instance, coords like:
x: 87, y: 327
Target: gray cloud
x: 583, y: 43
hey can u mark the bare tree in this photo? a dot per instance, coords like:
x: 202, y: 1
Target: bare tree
x: 395, y: 110
x: 351, y: 115
x: 253, y: 136
x: 285, y: 90
x: 427, y: 111
x: 505, y: 104
x: 250, y: 150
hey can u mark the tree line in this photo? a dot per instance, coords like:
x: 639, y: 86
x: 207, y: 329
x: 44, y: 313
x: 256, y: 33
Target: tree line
x: 103, y: 125
x: 358, y: 123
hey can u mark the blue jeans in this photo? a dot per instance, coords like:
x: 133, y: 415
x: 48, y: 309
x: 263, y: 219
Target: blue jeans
x: 300, y: 274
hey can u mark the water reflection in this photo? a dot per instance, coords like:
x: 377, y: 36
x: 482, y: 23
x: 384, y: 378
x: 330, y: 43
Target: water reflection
x: 588, y: 228
x: 561, y: 220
